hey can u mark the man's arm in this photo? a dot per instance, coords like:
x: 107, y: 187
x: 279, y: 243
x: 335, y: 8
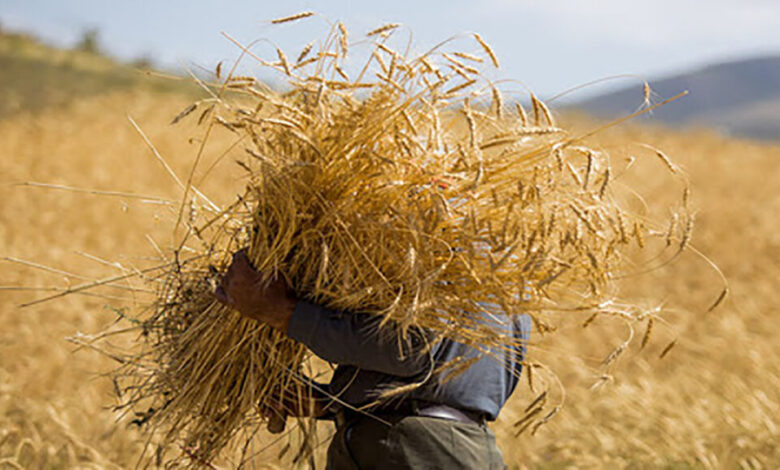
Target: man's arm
x: 346, y: 339
x: 355, y: 339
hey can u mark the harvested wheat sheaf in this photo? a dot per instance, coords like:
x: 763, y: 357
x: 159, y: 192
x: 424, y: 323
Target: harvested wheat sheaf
x: 412, y: 192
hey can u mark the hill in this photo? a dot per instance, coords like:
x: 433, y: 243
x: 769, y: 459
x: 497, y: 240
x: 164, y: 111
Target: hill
x: 34, y: 76
x: 740, y: 98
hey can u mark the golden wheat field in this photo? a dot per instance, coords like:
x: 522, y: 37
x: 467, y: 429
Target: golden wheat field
x: 712, y: 402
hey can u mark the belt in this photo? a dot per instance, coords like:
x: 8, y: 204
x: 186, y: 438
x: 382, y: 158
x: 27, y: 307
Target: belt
x: 345, y: 417
x: 451, y: 413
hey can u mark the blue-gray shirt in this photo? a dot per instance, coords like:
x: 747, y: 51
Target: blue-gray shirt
x: 369, y: 362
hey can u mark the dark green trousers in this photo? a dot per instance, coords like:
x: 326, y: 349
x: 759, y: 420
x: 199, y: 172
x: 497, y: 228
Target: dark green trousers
x: 413, y: 442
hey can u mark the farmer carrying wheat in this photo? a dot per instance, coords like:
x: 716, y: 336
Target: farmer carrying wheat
x: 414, y: 215
x: 441, y: 424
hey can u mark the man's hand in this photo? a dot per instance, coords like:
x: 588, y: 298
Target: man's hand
x: 246, y: 290
x: 278, y: 409
x: 294, y: 406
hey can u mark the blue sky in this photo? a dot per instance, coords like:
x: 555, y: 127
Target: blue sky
x: 549, y: 45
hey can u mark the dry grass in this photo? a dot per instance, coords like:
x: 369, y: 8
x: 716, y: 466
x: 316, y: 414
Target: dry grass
x: 712, y: 401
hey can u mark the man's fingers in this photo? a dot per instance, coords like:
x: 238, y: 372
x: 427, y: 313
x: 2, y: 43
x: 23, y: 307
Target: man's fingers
x: 222, y: 296
x: 276, y: 424
x: 240, y: 257
x: 237, y: 259
x: 233, y: 277
x: 242, y: 265
x: 276, y: 417
x: 224, y: 283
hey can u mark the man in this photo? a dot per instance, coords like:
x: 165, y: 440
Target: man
x: 441, y: 423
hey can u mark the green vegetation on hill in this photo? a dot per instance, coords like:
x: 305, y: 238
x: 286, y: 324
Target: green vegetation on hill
x: 34, y: 76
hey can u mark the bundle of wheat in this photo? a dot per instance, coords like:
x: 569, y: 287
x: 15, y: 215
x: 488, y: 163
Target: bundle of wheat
x: 410, y: 191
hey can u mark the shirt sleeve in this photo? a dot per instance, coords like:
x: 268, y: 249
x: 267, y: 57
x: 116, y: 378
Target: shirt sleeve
x: 355, y: 339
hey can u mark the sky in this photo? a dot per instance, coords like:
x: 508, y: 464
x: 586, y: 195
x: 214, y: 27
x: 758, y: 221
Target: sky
x: 548, y: 45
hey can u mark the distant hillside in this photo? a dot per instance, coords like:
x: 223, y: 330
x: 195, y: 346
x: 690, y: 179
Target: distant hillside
x: 34, y: 76
x: 740, y: 98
